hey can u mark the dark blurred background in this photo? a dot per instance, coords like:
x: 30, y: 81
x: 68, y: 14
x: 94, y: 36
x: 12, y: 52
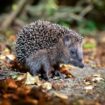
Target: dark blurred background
x: 85, y: 16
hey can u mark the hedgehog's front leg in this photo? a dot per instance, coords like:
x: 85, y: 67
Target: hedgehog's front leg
x: 39, y: 62
x: 33, y: 64
x: 47, y: 68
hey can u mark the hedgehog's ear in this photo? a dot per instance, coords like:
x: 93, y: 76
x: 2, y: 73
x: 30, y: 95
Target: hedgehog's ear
x: 67, y: 40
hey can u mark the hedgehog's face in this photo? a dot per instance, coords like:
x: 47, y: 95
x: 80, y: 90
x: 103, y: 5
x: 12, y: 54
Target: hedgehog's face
x: 74, y: 47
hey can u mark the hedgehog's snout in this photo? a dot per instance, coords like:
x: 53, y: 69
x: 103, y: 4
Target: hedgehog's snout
x: 77, y: 63
x: 81, y: 65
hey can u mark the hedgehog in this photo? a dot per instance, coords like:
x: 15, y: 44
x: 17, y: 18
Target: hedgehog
x: 42, y: 46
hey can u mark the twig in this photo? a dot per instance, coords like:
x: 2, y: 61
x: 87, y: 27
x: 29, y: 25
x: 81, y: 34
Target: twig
x: 86, y: 10
x: 10, y: 18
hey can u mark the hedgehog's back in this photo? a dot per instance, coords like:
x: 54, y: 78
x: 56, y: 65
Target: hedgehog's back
x: 35, y: 36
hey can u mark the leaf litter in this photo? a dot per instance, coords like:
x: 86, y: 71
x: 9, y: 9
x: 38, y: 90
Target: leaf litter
x: 78, y: 86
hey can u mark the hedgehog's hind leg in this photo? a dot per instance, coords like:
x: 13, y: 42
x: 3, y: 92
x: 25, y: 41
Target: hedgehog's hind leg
x: 58, y: 73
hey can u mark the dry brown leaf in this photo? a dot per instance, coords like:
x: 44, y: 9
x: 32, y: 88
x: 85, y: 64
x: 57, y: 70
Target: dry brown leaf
x: 89, y: 88
x: 65, y: 69
x: 47, y: 86
x: 97, y: 78
x: 29, y: 79
x: 60, y: 95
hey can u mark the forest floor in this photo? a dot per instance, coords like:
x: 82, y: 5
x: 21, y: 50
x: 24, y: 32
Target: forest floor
x: 85, y: 87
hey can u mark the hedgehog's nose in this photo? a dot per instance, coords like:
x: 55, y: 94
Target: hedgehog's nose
x: 81, y: 65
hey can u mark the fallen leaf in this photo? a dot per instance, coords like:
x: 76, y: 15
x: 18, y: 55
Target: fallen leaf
x: 47, y: 86
x: 65, y: 69
x: 60, y: 95
x: 29, y: 79
x: 89, y: 88
x: 97, y: 78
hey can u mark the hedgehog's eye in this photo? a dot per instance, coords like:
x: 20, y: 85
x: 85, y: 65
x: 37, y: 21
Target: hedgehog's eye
x: 72, y: 51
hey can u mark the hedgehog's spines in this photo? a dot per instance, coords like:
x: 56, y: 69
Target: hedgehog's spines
x: 39, y: 35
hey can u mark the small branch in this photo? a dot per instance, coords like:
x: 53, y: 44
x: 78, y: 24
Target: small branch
x: 86, y: 10
x: 10, y: 18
